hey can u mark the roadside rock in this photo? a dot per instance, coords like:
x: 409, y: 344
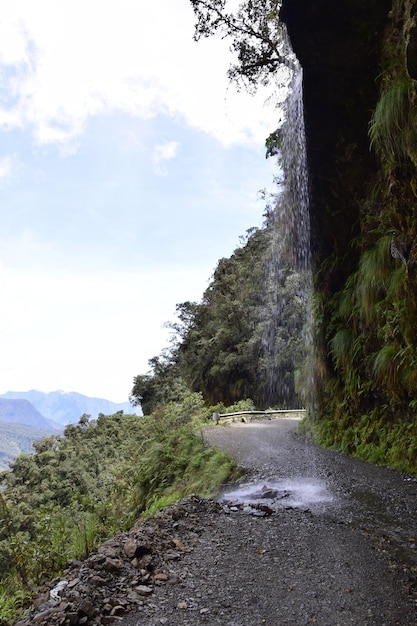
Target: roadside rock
x: 124, y: 571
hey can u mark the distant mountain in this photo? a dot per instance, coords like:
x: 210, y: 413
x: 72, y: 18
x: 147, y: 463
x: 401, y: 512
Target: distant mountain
x: 21, y: 411
x: 67, y: 407
x: 16, y: 438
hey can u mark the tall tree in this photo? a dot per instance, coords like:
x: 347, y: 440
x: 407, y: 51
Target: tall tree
x: 160, y: 385
x: 245, y: 339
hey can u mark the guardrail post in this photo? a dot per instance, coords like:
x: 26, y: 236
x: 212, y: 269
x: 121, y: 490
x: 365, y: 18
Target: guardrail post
x: 216, y: 417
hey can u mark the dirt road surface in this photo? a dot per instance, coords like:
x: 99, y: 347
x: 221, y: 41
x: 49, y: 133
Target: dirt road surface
x: 311, y: 537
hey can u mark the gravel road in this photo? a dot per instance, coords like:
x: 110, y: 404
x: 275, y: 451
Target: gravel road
x: 337, y: 547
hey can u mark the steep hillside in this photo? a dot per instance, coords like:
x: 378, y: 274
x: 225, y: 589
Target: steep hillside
x: 16, y: 438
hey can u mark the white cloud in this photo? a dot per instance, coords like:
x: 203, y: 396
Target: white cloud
x: 164, y: 152
x: 67, y: 61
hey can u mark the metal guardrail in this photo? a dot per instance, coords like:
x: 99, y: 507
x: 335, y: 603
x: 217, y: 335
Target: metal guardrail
x: 218, y: 416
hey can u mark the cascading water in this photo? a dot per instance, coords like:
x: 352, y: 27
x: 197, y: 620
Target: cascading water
x: 286, y: 321
x: 286, y: 314
x: 296, y: 201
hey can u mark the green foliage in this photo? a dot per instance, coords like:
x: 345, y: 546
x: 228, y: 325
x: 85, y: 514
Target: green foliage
x: 242, y: 405
x: 13, y: 598
x: 367, y: 337
x: 17, y: 438
x: 373, y: 438
x: 273, y: 143
x: 238, y: 342
x: 172, y: 459
x: 374, y: 269
x: 343, y: 348
x: 160, y: 385
x: 242, y: 341
x: 390, y: 118
x: 365, y: 362
x: 385, y: 365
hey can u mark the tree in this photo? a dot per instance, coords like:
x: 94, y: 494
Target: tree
x: 186, y: 314
x: 244, y: 340
x: 217, y: 355
x: 160, y: 385
x: 258, y: 38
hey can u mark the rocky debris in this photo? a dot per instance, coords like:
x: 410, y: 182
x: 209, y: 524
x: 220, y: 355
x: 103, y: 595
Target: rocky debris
x: 251, y: 506
x: 268, y: 493
x: 125, y: 570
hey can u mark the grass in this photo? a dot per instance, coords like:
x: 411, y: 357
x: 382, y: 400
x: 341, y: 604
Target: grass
x: 13, y: 599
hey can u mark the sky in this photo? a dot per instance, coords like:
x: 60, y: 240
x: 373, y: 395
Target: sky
x: 128, y: 167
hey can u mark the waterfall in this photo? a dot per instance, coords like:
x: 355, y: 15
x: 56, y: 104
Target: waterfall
x: 296, y: 214
x: 287, y: 298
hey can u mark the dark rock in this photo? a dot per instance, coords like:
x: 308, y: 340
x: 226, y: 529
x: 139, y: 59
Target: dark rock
x: 98, y: 580
x: 41, y: 601
x: 338, y: 45
x: 96, y: 561
x: 172, y: 556
x: 112, y: 565
x: 130, y: 548
x: 86, y: 606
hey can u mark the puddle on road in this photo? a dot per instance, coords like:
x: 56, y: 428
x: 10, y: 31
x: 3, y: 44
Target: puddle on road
x: 289, y: 493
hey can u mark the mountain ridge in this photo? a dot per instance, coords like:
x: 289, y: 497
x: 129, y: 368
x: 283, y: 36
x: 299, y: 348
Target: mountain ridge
x: 22, y: 411
x: 65, y: 407
x: 28, y: 416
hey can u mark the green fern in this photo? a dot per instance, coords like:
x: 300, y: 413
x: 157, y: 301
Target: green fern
x: 391, y: 118
x: 342, y: 346
x: 385, y: 364
x: 374, y: 269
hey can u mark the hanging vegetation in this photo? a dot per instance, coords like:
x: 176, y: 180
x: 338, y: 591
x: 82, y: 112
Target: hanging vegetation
x: 369, y: 397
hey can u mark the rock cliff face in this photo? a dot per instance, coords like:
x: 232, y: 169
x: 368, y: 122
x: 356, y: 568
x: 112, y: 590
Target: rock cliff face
x: 359, y: 63
x: 339, y: 47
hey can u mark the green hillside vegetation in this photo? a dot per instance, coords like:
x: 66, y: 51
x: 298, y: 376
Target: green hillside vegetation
x: 17, y: 438
x: 247, y: 336
x: 367, y: 329
x: 82, y: 487
x: 245, y: 339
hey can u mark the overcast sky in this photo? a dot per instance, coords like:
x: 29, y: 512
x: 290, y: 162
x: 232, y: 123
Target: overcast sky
x: 128, y: 167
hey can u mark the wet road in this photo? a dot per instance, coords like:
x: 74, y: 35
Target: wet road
x: 338, y: 549
x: 365, y: 495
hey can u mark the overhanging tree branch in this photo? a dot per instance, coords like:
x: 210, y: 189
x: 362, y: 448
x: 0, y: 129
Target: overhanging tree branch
x: 258, y: 36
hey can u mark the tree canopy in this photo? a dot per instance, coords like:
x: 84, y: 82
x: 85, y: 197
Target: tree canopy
x: 258, y: 36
